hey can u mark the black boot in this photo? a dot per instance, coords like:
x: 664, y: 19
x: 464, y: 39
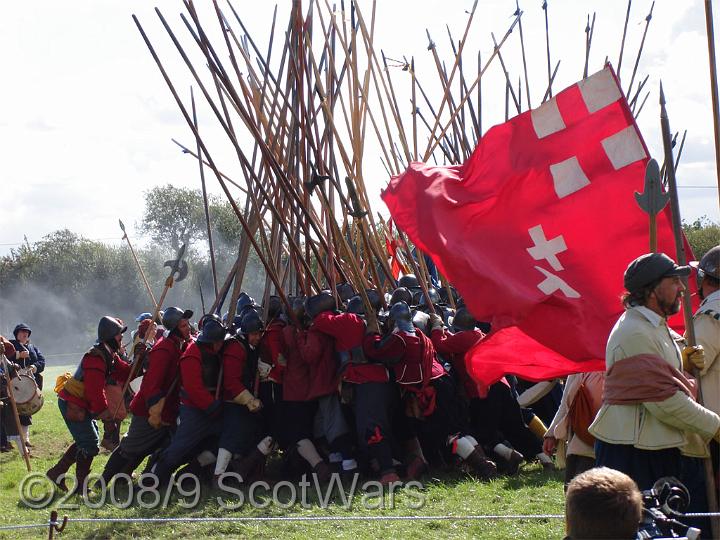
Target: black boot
x: 481, y: 465
x: 116, y: 463
x: 62, y: 466
x: 249, y: 466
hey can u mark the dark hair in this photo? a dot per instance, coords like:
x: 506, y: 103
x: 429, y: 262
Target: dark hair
x: 603, y: 503
x: 639, y: 297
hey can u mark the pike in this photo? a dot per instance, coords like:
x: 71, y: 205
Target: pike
x: 653, y: 199
x: 522, y: 50
x: 640, y: 50
x: 137, y: 262
x: 547, y: 42
x: 622, y: 43
x: 687, y: 307
x: 205, y: 201
x: 713, y: 85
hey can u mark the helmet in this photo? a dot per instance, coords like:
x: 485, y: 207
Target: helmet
x: 345, y: 291
x: 355, y: 305
x: 323, y: 301
x: 434, y: 297
x: 463, y: 319
x: 401, y: 294
x: 275, y: 306
x: 173, y: 315
x: 22, y: 326
x: 251, y: 322
x: 374, y: 298
x: 244, y: 302
x: 446, y: 298
x: 210, y: 316
x: 400, y: 312
x: 709, y: 265
x: 143, y: 316
x: 421, y: 321
x: 408, y: 281
x: 212, y: 330
x: 109, y: 327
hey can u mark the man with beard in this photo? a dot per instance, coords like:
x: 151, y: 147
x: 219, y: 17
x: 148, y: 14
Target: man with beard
x: 649, y: 418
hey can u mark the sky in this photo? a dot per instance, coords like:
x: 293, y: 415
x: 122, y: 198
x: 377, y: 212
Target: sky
x: 87, y: 121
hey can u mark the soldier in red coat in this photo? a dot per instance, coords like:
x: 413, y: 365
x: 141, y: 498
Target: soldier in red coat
x: 242, y: 431
x: 83, y: 399
x: 368, y: 383
x: 495, y: 416
x: 155, y: 406
x: 200, y: 404
x: 271, y: 369
x: 431, y: 406
x: 318, y: 350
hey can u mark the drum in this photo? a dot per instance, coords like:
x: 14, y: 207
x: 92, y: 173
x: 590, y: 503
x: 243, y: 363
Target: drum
x: 28, y: 397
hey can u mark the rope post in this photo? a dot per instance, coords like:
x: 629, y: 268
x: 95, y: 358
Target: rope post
x: 53, y: 524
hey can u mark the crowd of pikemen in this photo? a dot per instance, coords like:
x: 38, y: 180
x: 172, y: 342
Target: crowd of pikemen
x: 318, y: 382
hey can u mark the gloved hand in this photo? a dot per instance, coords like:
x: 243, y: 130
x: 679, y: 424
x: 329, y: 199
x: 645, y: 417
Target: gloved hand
x: 436, y: 322
x: 693, y: 357
x: 263, y: 369
x: 33, y: 369
x: 246, y: 398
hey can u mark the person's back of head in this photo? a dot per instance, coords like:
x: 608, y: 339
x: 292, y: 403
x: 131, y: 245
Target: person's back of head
x: 602, y: 503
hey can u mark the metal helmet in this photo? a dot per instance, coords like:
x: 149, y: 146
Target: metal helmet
x: 355, y: 305
x: 463, y: 320
x: 251, y: 322
x: 400, y: 312
x: 709, y: 264
x: 143, y: 316
x: 109, y: 327
x: 434, y: 297
x: 315, y: 305
x: 374, y: 298
x: 212, y: 330
x: 297, y: 306
x: 275, y: 307
x: 210, y: 316
x: 401, y: 294
x: 21, y: 326
x: 173, y: 315
x: 345, y: 291
x: 408, y: 281
x: 445, y: 297
x: 421, y: 321
x: 245, y: 302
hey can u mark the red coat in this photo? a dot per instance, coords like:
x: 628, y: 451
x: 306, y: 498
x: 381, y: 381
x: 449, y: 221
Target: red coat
x: 317, y: 352
x: 348, y: 332
x: 93, y: 372
x: 271, y: 347
x: 163, y: 370
x: 414, y: 353
x: 194, y: 392
x: 454, y: 347
x: 296, y: 379
x: 237, y: 374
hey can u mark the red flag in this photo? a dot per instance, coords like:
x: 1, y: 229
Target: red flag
x: 536, y: 229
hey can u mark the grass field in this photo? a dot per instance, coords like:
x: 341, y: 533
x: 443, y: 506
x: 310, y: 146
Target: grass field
x: 447, y: 494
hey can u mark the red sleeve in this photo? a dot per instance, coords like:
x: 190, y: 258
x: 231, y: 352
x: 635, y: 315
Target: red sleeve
x: 346, y: 328
x: 310, y: 346
x: 191, y: 374
x: 272, y: 345
x: 155, y: 378
x: 94, y: 383
x: 234, y: 358
x: 377, y: 347
x: 447, y: 343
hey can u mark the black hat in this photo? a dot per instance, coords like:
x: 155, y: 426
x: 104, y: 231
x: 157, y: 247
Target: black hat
x: 709, y: 265
x: 22, y: 326
x: 212, y: 331
x: 649, y: 268
x: 173, y: 315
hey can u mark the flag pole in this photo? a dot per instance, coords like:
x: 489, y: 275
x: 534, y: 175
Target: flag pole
x: 713, y: 85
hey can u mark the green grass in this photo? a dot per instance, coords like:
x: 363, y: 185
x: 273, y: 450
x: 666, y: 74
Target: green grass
x: 532, y: 492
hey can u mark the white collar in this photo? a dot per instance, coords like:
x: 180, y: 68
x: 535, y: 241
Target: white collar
x: 650, y: 315
x: 712, y: 297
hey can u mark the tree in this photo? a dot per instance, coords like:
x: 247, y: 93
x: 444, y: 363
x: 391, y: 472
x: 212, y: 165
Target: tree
x: 702, y: 234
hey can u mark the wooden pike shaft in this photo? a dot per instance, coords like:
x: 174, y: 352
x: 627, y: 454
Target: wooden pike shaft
x: 713, y: 86
x: 137, y: 263
x: 687, y: 307
x: 416, y: 270
x: 640, y: 50
x: 622, y: 43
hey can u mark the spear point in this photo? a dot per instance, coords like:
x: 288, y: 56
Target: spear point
x: 652, y: 200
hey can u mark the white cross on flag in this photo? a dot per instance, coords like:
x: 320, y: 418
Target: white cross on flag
x: 536, y: 229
